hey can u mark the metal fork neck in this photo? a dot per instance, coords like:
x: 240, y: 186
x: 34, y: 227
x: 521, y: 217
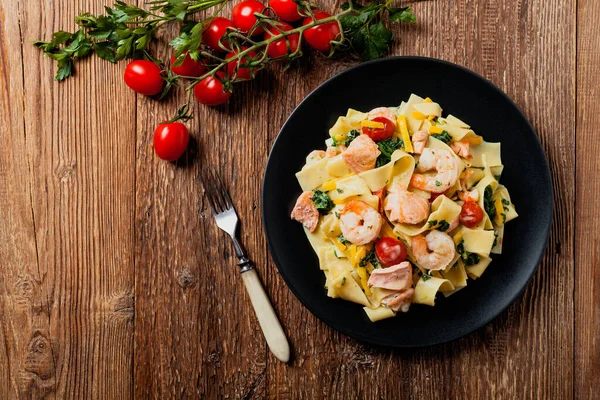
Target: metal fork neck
x: 244, y: 262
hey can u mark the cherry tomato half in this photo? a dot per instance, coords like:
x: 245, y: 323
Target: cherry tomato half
x: 286, y: 10
x: 390, y: 251
x: 215, y: 31
x: 378, y: 134
x: 170, y: 140
x: 471, y: 214
x: 279, y: 48
x: 243, y: 16
x: 144, y: 77
x: 210, y: 91
x: 242, y: 73
x: 189, y: 67
x: 319, y: 37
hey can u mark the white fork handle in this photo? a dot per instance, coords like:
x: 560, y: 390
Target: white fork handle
x: 266, y: 316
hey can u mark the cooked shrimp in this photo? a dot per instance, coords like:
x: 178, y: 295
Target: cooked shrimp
x: 453, y: 224
x: 464, y: 177
x: 360, y: 223
x: 314, y: 156
x: 305, y: 211
x: 446, y: 166
x: 406, y: 207
x: 461, y: 149
x: 419, y: 140
x: 384, y: 112
x: 399, y: 301
x: 433, y: 251
x: 361, y: 154
x: 473, y: 195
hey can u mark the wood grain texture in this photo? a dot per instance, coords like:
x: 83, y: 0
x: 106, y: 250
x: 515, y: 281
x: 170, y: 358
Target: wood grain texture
x: 116, y: 283
x: 587, y: 239
x: 67, y: 181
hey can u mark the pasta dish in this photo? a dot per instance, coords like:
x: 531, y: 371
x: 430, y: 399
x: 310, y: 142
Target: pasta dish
x: 402, y: 204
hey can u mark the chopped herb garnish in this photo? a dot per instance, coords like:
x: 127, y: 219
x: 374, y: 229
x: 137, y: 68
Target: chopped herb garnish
x: 503, y: 215
x: 432, y: 223
x: 387, y: 147
x: 339, y: 190
x: 343, y: 240
x: 505, y: 202
x: 343, y: 280
x: 322, y: 201
x: 443, y: 226
x: 350, y: 136
x: 426, y: 277
x: 495, y: 239
x: 488, y: 203
x: 497, y: 177
x: 370, y: 258
x: 444, y: 136
x: 438, y: 183
x: 337, y: 214
x: 467, y: 257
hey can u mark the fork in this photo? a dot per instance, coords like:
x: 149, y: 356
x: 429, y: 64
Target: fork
x: 227, y: 220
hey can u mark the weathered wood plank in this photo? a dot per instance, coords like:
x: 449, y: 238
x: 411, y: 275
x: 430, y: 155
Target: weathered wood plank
x: 587, y: 238
x: 68, y: 185
x: 196, y: 333
x: 505, y: 41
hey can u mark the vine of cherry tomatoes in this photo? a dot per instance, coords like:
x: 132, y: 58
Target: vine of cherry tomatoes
x: 148, y: 78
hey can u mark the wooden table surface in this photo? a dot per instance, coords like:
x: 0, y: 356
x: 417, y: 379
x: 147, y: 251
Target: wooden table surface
x: 116, y: 283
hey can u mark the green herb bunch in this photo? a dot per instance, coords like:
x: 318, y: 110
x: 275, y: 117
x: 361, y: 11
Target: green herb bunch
x: 126, y: 31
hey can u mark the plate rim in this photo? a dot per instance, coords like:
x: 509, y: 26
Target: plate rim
x: 490, y: 317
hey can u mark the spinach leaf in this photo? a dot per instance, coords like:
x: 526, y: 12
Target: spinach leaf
x: 322, y: 202
x: 387, y: 147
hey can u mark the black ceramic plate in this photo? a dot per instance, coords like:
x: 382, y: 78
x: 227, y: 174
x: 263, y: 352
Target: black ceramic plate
x: 490, y: 113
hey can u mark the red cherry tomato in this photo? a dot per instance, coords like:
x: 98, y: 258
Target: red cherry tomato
x: 210, y: 91
x: 279, y: 48
x: 471, y: 214
x: 390, y: 251
x: 189, y: 67
x: 215, y: 31
x: 378, y: 134
x: 436, y: 195
x: 319, y: 37
x: 286, y: 10
x: 170, y: 140
x: 144, y: 77
x: 242, y: 73
x: 243, y: 16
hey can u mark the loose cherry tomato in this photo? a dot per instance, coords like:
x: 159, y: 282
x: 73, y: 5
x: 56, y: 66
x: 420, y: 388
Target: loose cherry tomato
x: 279, y: 48
x: 144, y: 77
x: 170, y: 140
x: 436, y: 195
x: 242, y: 73
x: 189, y: 67
x: 378, y: 134
x: 390, y: 251
x: 319, y: 37
x: 471, y: 214
x: 215, y: 31
x: 243, y: 16
x: 210, y: 91
x: 286, y: 10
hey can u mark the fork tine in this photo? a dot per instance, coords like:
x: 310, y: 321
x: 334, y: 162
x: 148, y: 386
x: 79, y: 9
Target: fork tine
x: 219, y: 191
x: 225, y: 193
